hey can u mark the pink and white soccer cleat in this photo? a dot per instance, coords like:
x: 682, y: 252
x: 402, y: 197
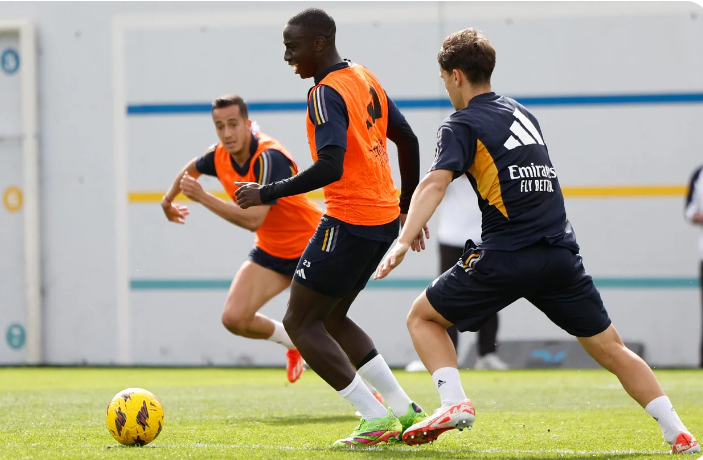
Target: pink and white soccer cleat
x: 443, y: 419
x: 685, y: 444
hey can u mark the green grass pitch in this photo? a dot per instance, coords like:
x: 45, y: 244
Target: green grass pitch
x: 48, y: 413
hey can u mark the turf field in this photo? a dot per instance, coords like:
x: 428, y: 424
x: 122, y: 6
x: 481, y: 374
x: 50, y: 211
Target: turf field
x: 254, y: 414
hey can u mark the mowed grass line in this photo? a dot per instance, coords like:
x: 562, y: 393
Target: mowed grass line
x: 256, y: 414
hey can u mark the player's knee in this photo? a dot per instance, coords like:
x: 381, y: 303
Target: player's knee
x: 415, y: 314
x: 235, y: 322
x: 412, y: 319
x: 291, y: 324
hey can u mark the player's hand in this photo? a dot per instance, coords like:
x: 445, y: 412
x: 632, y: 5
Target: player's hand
x: 174, y: 212
x: 391, y: 260
x: 419, y: 241
x: 191, y: 188
x: 248, y: 194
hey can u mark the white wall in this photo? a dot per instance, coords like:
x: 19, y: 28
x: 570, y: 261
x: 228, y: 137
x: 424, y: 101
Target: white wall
x: 98, y: 58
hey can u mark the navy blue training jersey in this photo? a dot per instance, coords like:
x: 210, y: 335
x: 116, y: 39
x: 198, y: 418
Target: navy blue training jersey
x: 498, y: 144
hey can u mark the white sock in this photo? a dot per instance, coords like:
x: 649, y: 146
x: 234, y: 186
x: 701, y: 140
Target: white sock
x: 280, y: 335
x: 361, y: 398
x: 379, y: 375
x: 663, y: 412
x: 371, y: 388
x: 447, y: 381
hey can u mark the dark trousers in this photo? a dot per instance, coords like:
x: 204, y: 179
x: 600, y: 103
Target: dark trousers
x: 448, y: 256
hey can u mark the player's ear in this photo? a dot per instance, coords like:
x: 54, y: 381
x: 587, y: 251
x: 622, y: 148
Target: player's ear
x: 458, y: 76
x: 249, y: 124
x: 319, y: 43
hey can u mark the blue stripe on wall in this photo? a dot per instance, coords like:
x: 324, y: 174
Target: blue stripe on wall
x: 573, y: 100
x: 411, y: 283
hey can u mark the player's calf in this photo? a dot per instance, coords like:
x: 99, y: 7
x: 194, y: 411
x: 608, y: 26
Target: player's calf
x: 637, y: 378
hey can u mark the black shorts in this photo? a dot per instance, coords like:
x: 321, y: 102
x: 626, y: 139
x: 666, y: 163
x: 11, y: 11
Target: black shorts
x: 285, y: 267
x: 336, y: 261
x: 552, y: 278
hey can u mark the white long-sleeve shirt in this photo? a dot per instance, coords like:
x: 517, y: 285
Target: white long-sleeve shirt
x: 694, y: 203
x: 459, y: 216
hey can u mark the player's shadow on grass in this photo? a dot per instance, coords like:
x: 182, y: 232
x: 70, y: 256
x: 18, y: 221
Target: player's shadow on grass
x: 308, y: 419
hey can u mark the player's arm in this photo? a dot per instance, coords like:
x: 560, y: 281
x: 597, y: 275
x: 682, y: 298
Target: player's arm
x: 250, y: 219
x: 328, y: 112
x: 456, y: 149
x: 270, y: 166
x: 694, y: 208
x: 175, y: 212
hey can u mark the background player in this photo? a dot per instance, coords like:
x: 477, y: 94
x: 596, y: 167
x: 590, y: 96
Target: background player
x: 528, y: 248
x: 693, y: 213
x: 349, y: 118
x: 283, y: 227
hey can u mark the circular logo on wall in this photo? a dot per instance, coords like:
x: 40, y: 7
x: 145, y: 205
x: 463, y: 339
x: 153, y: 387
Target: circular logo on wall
x: 15, y: 336
x: 10, y: 61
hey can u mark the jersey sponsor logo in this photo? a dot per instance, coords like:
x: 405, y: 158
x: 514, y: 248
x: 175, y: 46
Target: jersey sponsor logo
x: 380, y: 153
x: 533, y: 178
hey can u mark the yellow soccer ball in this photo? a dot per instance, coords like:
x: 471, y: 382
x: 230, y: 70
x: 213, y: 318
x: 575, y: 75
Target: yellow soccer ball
x: 135, y: 417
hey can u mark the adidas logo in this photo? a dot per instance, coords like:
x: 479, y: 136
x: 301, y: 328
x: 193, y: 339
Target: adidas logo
x: 440, y: 383
x: 301, y: 273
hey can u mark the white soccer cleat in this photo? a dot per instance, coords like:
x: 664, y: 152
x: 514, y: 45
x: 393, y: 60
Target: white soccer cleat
x: 491, y: 361
x: 445, y: 418
x: 685, y: 444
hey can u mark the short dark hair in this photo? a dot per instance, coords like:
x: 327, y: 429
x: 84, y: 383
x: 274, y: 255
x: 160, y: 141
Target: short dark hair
x: 230, y: 100
x: 469, y: 51
x: 316, y: 22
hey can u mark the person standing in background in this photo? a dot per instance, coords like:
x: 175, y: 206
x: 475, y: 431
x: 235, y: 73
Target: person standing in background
x: 694, y: 215
x: 460, y: 220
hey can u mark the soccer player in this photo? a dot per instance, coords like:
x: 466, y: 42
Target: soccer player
x: 283, y: 227
x: 694, y: 215
x: 349, y: 120
x: 460, y: 220
x: 528, y: 250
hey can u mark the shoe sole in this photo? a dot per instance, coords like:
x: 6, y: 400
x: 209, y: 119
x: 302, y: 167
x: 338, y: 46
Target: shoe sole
x: 692, y: 450
x: 429, y: 435
x: 386, y: 437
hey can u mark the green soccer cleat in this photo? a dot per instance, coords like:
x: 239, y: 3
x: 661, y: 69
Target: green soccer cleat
x: 414, y: 415
x: 373, y: 432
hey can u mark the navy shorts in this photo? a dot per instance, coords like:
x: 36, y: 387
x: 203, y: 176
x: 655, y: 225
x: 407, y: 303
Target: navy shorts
x: 285, y: 267
x: 337, y: 262
x: 552, y: 278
